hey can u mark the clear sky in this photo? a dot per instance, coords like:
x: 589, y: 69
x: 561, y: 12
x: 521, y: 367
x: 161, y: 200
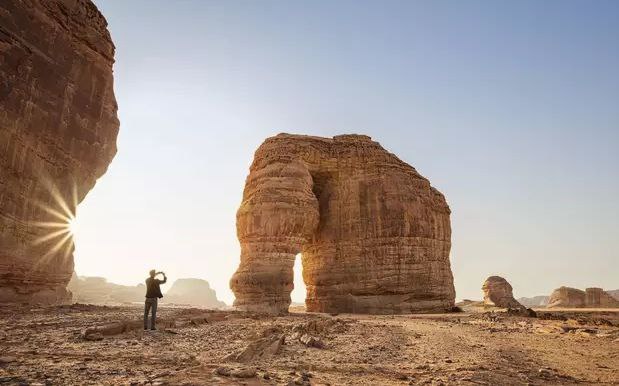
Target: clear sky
x: 511, y: 109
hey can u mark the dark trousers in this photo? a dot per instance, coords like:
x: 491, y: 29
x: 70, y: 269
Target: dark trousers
x: 150, y: 304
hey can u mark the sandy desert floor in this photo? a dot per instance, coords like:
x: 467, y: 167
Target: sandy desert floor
x: 86, y: 344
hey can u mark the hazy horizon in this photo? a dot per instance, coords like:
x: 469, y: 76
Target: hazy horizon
x: 509, y: 109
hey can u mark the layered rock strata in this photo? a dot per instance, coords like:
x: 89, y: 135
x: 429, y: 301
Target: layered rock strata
x: 498, y: 293
x: 374, y: 234
x: 567, y: 297
x: 58, y: 129
x: 574, y: 298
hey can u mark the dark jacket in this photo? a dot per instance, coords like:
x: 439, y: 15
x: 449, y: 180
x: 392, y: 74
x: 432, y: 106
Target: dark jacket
x: 152, y: 287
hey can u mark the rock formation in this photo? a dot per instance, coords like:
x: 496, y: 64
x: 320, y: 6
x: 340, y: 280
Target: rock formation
x: 498, y: 293
x: 614, y: 294
x: 374, y: 235
x: 535, y: 301
x: 97, y: 290
x: 567, y: 297
x: 58, y: 129
x: 575, y: 298
x: 195, y: 292
x: 598, y: 298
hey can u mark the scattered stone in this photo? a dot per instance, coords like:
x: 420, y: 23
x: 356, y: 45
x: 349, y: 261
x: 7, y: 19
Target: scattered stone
x: 263, y: 347
x: 4, y: 360
x: 243, y: 373
x: 311, y: 341
x: 95, y: 336
x: 224, y: 371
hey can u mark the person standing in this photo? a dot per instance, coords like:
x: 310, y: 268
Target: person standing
x: 153, y: 294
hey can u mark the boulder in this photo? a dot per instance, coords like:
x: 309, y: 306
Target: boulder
x: 374, y: 235
x: 58, y: 129
x: 498, y: 293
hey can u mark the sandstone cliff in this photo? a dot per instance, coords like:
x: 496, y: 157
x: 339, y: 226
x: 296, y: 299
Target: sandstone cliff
x: 58, y: 129
x: 567, y: 297
x: 591, y: 297
x: 374, y: 234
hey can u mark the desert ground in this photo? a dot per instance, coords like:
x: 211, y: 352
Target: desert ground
x: 88, y: 344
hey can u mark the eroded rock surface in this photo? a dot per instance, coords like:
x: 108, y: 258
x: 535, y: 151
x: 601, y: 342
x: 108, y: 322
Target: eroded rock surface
x: 498, y: 292
x: 567, y: 297
x: 58, y: 129
x: 574, y: 298
x: 374, y: 234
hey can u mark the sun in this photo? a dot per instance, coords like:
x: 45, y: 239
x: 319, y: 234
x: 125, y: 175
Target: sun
x: 56, y: 223
x: 72, y: 226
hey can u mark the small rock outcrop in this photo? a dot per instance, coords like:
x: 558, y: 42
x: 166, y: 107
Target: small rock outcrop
x: 374, y: 234
x: 58, y: 129
x: 535, y: 301
x: 196, y: 292
x: 593, y: 297
x: 498, y: 293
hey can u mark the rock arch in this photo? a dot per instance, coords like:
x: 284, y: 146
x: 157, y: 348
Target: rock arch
x: 374, y: 235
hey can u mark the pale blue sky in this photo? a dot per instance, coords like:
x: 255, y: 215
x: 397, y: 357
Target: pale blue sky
x: 511, y: 109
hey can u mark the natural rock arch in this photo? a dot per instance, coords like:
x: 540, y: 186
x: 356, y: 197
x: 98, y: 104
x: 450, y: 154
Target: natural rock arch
x: 374, y: 235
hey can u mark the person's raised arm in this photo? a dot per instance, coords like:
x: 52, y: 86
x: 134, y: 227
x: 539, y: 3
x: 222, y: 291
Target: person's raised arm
x: 164, y: 278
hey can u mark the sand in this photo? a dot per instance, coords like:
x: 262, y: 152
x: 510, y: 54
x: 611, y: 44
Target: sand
x: 562, y: 347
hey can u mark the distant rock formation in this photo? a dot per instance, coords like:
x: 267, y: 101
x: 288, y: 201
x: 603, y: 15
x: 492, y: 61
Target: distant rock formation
x: 374, y: 234
x: 568, y: 297
x: 97, y: 290
x: 614, y: 293
x: 58, y: 129
x: 194, y: 292
x: 498, y: 293
x: 535, y: 301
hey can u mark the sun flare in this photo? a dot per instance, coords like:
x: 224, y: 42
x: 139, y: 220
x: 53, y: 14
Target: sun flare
x: 72, y: 226
x: 59, y: 225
